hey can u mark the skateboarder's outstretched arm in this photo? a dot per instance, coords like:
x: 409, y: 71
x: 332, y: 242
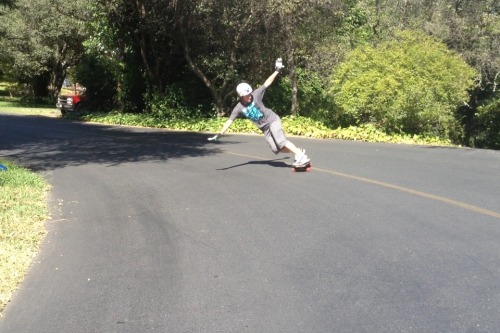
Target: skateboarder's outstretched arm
x: 270, y: 79
x: 227, y: 124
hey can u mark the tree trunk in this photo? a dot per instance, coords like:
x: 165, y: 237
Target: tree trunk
x: 40, y: 85
x: 294, y: 83
x: 219, y: 103
x: 291, y: 64
x: 57, y: 79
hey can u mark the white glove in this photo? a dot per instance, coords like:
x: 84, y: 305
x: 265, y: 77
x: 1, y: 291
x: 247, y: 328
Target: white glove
x: 215, y: 138
x: 279, y: 64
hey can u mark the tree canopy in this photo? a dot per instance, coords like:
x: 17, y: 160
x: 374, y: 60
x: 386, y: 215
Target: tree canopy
x: 40, y: 40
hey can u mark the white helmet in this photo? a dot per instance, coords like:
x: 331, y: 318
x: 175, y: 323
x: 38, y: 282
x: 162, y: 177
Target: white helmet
x: 243, y: 89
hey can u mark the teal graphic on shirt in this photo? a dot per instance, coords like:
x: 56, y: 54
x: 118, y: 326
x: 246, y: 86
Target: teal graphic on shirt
x: 253, y: 112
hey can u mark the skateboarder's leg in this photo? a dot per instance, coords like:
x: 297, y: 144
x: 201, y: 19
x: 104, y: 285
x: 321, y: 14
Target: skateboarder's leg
x: 277, y: 140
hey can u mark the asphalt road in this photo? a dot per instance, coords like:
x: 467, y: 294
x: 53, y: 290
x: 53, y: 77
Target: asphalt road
x: 159, y: 231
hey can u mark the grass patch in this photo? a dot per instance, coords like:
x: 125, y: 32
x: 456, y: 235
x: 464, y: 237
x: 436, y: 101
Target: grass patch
x: 23, y: 212
x: 14, y: 105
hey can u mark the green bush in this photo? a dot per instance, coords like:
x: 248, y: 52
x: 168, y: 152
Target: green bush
x: 298, y: 126
x: 312, y: 96
x: 96, y: 74
x: 307, y: 127
x: 170, y: 105
x: 487, y: 127
x: 412, y: 84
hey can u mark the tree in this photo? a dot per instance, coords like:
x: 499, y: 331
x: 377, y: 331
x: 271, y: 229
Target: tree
x: 223, y: 42
x: 470, y: 27
x: 220, y: 42
x: 145, y: 27
x: 302, y: 28
x: 233, y: 39
x: 411, y: 84
x: 42, y: 39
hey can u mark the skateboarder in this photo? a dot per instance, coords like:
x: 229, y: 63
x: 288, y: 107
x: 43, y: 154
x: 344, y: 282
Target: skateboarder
x: 251, y: 106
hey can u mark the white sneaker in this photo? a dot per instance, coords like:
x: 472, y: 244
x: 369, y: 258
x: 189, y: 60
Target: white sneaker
x: 299, y: 155
x: 301, y: 159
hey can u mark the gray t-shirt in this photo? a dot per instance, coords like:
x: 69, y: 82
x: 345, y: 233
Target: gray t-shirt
x: 255, y: 111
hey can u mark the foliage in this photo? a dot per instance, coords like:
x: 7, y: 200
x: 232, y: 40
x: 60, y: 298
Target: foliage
x: 41, y: 39
x: 473, y: 31
x: 303, y: 27
x: 487, y: 127
x: 411, y: 84
x: 314, y: 102
x: 170, y: 105
x: 96, y: 74
x: 22, y: 215
x: 293, y: 126
x: 7, y: 3
x: 307, y: 127
x: 469, y: 27
x: 216, y: 38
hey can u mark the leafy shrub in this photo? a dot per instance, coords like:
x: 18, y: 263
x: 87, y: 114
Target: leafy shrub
x: 307, y: 127
x: 278, y: 95
x: 412, y: 84
x: 312, y: 96
x: 170, y: 105
x: 488, y: 125
x: 96, y: 74
x: 298, y: 126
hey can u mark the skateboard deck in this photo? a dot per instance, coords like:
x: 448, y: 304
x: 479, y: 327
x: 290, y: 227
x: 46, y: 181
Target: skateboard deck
x: 304, y: 168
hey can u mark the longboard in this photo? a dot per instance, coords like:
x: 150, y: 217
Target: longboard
x: 305, y: 168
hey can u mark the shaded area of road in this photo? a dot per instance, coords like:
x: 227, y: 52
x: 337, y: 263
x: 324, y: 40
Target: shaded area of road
x: 47, y: 144
x: 161, y: 231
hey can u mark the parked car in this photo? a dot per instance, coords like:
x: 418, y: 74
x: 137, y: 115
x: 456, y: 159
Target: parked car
x: 71, y: 102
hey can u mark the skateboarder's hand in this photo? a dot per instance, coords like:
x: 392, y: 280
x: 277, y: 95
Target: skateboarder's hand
x: 279, y: 64
x: 215, y: 138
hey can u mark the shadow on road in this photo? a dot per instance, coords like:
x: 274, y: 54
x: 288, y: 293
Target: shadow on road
x: 277, y: 163
x: 47, y: 143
